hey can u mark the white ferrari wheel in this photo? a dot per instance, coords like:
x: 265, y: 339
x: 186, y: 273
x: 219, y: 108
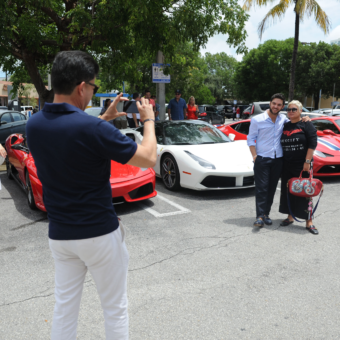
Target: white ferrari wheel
x: 170, y: 173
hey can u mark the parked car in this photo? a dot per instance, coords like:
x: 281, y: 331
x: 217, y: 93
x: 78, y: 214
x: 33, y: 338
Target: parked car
x: 193, y: 154
x: 226, y: 110
x: 26, y: 108
x: 327, y: 154
x: 210, y: 114
x: 11, y: 122
x: 260, y: 107
x: 93, y: 111
x: 246, y: 112
x: 128, y: 183
x: 313, y: 115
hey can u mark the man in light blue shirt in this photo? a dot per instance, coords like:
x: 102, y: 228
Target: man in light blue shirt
x: 264, y: 143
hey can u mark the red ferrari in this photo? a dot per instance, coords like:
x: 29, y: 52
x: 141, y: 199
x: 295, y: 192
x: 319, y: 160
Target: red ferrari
x: 128, y: 183
x: 327, y: 153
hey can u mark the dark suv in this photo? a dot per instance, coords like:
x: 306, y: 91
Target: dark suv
x: 11, y: 122
x: 210, y: 114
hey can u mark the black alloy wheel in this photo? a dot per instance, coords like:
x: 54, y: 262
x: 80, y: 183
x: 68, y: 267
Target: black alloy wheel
x: 29, y: 192
x: 8, y: 170
x: 170, y: 173
x: 222, y: 120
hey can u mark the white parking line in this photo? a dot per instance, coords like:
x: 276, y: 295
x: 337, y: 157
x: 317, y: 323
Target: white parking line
x: 153, y: 212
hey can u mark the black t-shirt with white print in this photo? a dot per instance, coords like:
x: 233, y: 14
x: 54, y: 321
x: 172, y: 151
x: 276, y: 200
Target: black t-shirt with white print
x: 296, y: 139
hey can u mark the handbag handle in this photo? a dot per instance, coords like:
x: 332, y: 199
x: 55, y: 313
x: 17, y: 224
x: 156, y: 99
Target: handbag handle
x: 310, y: 175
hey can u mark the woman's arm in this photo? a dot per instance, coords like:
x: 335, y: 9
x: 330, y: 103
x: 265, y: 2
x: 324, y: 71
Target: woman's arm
x: 3, y: 152
x: 306, y: 166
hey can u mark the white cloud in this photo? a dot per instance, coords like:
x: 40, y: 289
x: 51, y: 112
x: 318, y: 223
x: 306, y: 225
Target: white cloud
x: 281, y: 30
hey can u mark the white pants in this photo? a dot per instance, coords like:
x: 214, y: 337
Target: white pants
x: 106, y: 257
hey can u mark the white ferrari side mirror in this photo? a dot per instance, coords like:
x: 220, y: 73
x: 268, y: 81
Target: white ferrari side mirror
x: 231, y: 136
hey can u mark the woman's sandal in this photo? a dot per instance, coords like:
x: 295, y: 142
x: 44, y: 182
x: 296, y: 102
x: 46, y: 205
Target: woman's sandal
x: 286, y: 222
x: 312, y: 230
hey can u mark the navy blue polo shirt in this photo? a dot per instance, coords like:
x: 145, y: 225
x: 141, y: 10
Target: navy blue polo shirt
x: 177, y: 108
x: 73, y: 152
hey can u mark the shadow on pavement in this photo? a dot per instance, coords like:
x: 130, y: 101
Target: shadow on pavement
x: 12, y: 191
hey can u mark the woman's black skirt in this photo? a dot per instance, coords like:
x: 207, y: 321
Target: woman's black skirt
x: 299, y: 205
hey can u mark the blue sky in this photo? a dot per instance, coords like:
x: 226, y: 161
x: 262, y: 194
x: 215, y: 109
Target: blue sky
x: 281, y: 30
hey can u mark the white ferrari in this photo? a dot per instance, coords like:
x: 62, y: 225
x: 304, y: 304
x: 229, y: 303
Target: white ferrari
x: 196, y: 155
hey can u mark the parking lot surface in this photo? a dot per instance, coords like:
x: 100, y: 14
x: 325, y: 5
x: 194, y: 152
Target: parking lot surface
x: 198, y: 270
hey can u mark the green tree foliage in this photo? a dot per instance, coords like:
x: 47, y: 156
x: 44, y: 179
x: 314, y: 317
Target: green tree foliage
x: 117, y: 32
x: 302, y: 8
x: 318, y: 67
x: 220, y: 79
x: 264, y: 71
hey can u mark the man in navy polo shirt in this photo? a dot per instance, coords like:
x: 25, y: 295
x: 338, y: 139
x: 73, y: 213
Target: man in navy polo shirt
x: 73, y: 153
x: 177, y: 107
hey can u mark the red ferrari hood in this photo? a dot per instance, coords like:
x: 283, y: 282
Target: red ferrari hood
x: 122, y: 173
x: 329, y: 144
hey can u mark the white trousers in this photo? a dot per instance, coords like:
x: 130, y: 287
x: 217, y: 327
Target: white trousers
x: 106, y: 257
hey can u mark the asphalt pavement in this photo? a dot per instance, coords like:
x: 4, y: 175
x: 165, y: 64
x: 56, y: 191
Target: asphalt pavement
x: 198, y: 270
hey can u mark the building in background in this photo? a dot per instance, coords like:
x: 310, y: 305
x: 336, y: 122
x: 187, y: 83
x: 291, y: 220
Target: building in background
x: 28, y: 97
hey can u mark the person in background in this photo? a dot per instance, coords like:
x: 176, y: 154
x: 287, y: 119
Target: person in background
x: 298, y: 142
x: 157, y: 108
x: 84, y: 231
x: 105, y: 107
x: 151, y: 101
x: 234, y: 112
x: 177, y: 108
x: 120, y: 122
x: 238, y: 111
x: 192, y: 110
x: 133, y: 118
x: 3, y: 152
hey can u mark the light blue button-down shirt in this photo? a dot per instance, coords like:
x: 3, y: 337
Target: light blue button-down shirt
x: 266, y: 135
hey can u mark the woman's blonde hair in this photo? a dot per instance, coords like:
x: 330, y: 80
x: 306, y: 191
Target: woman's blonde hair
x: 297, y: 103
x: 192, y: 97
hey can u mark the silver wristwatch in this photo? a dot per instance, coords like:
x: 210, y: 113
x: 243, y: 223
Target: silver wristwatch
x: 308, y: 161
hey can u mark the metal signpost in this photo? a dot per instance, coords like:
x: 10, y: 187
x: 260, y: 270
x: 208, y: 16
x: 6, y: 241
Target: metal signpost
x: 161, y: 79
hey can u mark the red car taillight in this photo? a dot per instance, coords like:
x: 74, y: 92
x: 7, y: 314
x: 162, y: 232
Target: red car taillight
x: 203, y: 114
x: 252, y: 109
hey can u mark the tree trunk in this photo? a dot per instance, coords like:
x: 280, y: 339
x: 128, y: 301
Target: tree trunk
x: 45, y: 95
x: 294, y: 57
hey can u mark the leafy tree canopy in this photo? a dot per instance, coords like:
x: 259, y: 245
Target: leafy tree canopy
x: 117, y: 32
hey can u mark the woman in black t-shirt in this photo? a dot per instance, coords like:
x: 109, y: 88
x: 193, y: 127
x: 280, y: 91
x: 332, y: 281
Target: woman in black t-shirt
x: 299, y: 140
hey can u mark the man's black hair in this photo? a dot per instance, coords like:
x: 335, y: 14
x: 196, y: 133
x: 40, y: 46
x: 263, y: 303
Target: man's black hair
x: 135, y: 95
x: 278, y: 96
x: 70, y: 68
x: 146, y: 91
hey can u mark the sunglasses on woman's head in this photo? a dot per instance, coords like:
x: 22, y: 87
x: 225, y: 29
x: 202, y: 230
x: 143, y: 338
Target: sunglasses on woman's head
x: 294, y: 109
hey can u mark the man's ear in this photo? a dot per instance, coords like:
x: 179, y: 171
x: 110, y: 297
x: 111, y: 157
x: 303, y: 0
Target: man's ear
x: 81, y: 89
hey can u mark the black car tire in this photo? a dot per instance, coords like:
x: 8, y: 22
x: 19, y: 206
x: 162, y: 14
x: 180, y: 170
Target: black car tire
x: 222, y: 120
x: 8, y: 170
x: 170, y: 180
x: 30, y: 197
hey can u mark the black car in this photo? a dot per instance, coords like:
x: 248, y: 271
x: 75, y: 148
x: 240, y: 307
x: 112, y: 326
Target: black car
x: 11, y: 122
x: 226, y: 109
x: 210, y: 114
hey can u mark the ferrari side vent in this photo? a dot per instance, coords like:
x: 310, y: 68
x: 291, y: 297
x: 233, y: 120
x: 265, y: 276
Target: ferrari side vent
x: 142, y: 191
x: 247, y: 181
x: 219, y: 182
x: 330, y: 169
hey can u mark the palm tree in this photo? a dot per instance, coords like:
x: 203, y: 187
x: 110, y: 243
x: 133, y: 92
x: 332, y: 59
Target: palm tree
x: 301, y: 8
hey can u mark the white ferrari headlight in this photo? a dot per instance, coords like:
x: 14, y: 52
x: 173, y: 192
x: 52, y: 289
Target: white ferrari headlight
x: 322, y: 154
x: 201, y: 161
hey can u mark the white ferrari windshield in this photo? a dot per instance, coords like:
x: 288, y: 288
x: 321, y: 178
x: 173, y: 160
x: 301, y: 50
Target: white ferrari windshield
x: 186, y: 134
